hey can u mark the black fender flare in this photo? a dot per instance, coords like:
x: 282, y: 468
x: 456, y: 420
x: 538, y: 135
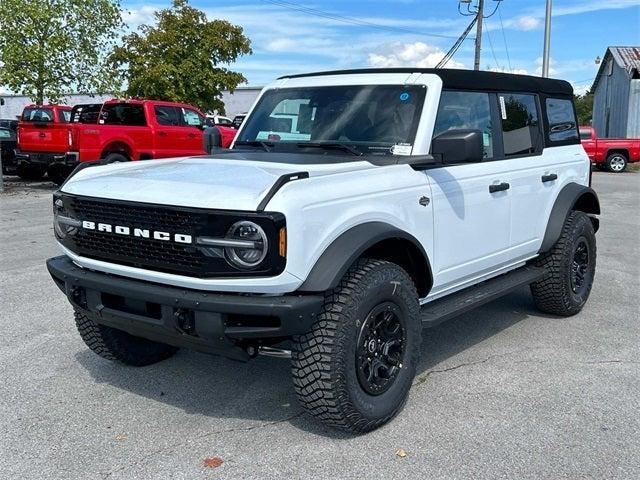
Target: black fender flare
x: 348, y: 247
x: 573, y: 196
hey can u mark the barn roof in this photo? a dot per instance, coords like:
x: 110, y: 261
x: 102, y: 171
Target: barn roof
x: 627, y: 58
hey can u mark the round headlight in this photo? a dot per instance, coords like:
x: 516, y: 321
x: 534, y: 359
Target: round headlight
x: 251, y: 246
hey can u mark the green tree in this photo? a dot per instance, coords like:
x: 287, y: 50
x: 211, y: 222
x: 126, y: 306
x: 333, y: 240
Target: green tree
x: 584, y: 108
x: 48, y: 47
x: 182, y: 58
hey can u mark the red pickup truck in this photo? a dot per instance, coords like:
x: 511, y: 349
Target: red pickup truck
x: 136, y: 130
x: 43, y: 138
x: 612, y: 154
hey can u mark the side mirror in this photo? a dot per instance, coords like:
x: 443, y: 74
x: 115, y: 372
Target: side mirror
x: 212, y: 139
x: 458, y: 146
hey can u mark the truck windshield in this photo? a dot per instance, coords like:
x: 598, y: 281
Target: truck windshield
x: 349, y: 119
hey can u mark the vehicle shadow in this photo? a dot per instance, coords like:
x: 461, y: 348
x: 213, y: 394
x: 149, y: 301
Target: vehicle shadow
x: 261, y: 390
x: 14, y: 185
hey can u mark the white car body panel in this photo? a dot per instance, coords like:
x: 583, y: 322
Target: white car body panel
x: 468, y: 234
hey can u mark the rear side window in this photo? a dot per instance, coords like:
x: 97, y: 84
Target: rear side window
x: 466, y: 110
x: 562, y: 120
x: 64, y: 116
x: 122, y: 114
x: 37, y: 115
x: 167, y: 115
x: 520, y: 124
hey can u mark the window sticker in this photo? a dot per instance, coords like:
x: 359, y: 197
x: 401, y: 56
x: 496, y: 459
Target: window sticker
x: 486, y: 139
x: 404, y: 96
x: 401, y: 149
x: 503, y: 108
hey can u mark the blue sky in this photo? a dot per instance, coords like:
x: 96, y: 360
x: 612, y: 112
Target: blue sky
x: 383, y: 33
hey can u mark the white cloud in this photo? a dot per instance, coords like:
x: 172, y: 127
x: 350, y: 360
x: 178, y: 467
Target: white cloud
x: 527, y: 22
x: 580, y: 89
x: 417, y: 54
x: 518, y: 71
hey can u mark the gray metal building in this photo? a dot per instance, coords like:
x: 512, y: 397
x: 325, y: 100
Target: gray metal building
x: 237, y: 102
x: 616, y: 94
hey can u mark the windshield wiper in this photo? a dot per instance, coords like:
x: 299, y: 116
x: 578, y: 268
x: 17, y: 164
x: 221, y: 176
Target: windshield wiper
x: 266, y: 146
x: 331, y: 146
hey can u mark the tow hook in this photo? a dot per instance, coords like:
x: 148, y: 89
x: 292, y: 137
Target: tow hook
x: 78, y: 297
x: 185, y: 321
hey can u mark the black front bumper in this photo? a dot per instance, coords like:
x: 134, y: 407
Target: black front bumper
x: 204, y: 321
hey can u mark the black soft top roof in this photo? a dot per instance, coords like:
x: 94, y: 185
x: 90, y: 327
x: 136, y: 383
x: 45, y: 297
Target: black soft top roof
x: 470, y: 79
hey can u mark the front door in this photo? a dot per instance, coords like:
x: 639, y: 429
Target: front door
x: 471, y: 202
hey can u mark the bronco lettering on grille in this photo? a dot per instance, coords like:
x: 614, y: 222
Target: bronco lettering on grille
x: 137, y: 232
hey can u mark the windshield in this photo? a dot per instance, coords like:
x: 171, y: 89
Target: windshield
x: 366, y: 119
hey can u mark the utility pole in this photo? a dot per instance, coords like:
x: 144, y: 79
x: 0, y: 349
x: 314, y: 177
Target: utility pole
x: 547, y: 40
x: 476, y: 62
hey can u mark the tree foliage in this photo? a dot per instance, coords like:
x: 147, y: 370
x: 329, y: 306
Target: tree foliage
x: 48, y: 47
x: 584, y: 108
x: 182, y: 57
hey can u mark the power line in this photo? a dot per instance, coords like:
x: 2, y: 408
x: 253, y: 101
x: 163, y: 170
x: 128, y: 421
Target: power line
x: 350, y: 20
x: 456, y: 45
x: 493, y: 52
x: 504, y: 38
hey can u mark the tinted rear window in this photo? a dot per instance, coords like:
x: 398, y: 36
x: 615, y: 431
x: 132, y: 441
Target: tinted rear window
x: 122, y: 114
x: 562, y: 120
x: 37, y: 115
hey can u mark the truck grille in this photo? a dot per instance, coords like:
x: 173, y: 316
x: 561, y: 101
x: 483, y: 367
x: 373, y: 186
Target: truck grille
x: 159, y: 255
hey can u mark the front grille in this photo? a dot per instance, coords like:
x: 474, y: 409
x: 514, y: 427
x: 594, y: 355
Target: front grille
x: 165, y: 256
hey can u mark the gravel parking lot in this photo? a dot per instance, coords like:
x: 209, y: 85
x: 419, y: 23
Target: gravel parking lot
x: 502, y: 392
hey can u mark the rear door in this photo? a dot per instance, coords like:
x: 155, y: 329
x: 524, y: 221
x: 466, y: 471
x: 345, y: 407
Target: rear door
x: 539, y: 166
x: 169, y: 133
x: 471, y: 202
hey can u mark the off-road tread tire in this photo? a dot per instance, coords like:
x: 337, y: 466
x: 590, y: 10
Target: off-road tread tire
x: 552, y: 294
x: 119, y: 346
x: 319, y: 378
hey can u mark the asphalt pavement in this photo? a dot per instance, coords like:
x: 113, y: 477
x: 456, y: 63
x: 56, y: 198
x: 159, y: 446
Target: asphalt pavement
x: 502, y: 392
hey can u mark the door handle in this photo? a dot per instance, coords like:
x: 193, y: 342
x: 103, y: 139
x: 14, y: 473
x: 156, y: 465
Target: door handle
x: 499, y: 187
x: 162, y: 134
x: 42, y: 135
x: 550, y: 177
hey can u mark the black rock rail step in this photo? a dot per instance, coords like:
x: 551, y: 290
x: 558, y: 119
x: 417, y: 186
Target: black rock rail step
x: 438, y: 311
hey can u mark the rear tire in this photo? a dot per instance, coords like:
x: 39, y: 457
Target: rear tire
x: 115, y: 158
x: 616, y: 162
x: 119, y: 346
x: 355, y: 367
x: 570, y: 268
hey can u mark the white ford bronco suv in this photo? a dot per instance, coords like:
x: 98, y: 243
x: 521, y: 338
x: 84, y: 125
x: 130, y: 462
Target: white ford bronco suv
x: 354, y: 209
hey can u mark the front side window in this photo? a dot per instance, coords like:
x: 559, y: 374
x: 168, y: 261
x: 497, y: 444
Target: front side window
x: 123, y: 114
x: 562, y: 120
x: 64, y: 116
x: 191, y: 118
x: 37, y: 115
x: 463, y: 111
x: 168, y: 116
x: 520, y: 125
x: 360, y: 119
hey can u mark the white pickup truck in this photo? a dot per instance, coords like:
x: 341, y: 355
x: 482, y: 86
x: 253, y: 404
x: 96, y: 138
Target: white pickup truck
x: 354, y: 209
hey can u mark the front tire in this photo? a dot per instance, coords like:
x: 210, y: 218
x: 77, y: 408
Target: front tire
x: 616, y: 162
x: 119, y: 346
x: 570, y: 268
x: 355, y: 367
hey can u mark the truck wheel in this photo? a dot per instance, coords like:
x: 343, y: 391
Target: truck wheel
x: 570, y: 268
x: 30, y: 172
x: 115, y: 158
x: 355, y: 367
x: 119, y: 346
x: 616, y: 162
